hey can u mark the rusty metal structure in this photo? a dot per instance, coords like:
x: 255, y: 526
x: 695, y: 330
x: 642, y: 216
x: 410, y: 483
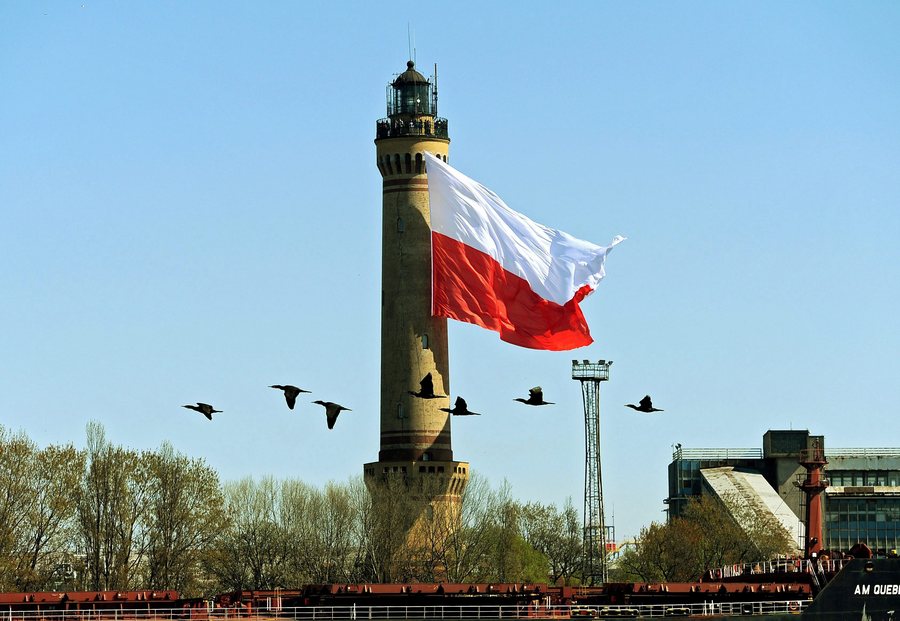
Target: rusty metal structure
x: 813, y: 459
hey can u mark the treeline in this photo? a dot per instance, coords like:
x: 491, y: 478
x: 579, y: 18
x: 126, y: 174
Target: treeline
x: 112, y: 518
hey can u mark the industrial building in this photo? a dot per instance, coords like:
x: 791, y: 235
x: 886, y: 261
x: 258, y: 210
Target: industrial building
x: 861, y: 487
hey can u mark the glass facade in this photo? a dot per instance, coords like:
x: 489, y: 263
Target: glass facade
x: 685, y: 480
x: 873, y: 521
x: 860, y: 478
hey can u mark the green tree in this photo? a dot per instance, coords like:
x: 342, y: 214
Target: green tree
x: 664, y: 553
x: 556, y: 534
x: 111, y: 502
x: 708, y: 536
x: 17, y: 456
x: 184, y: 516
x: 509, y: 557
x: 50, y: 517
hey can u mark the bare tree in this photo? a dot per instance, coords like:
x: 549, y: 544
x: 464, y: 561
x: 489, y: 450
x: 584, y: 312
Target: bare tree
x: 461, y: 540
x: 252, y: 550
x: 298, y: 507
x: 321, y: 534
x: 334, y: 535
x: 395, y: 510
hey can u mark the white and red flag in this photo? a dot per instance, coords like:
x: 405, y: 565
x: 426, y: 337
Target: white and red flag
x: 494, y: 267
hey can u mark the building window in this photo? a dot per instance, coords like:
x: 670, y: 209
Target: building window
x: 426, y: 456
x: 424, y: 341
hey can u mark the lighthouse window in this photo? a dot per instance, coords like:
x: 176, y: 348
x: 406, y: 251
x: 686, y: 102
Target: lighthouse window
x: 408, y: 161
x: 424, y: 341
x: 401, y: 225
x: 399, y: 410
x: 420, y: 164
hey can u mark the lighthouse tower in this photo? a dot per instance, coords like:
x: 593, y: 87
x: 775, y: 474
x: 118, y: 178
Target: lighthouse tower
x: 415, y: 443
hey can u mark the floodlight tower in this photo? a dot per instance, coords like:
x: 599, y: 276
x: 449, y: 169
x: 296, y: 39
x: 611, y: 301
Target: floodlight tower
x: 590, y: 374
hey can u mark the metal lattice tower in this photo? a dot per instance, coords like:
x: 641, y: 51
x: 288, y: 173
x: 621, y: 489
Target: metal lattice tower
x: 590, y: 374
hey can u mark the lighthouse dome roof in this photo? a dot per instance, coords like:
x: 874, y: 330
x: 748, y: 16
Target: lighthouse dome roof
x: 410, y: 76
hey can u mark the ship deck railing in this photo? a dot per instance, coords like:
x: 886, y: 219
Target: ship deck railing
x: 779, y: 566
x: 415, y: 613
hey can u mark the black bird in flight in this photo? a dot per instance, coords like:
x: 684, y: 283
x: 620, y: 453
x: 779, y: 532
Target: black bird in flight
x: 426, y: 389
x: 646, y: 405
x: 460, y: 408
x: 290, y: 393
x: 204, y: 408
x: 331, y: 411
x: 535, y: 397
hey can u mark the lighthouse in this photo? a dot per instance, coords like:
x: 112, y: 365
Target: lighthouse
x: 415, y: 444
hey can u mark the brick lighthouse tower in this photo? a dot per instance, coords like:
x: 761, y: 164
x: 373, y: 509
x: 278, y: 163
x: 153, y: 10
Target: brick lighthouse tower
x: 415, y: 443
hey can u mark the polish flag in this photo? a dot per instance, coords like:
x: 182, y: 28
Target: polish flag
x: 494, y: 267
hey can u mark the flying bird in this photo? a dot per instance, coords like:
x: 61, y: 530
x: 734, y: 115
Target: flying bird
x: 535, y: 397
x: 290, y: 393
x: 460, y: 408
x: 331, y: 411
x: 204, y: 408
x: 646, y: 405
x: 426, y: 389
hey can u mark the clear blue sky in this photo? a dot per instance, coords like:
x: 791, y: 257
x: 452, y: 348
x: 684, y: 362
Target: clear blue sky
x: 190, y: 210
